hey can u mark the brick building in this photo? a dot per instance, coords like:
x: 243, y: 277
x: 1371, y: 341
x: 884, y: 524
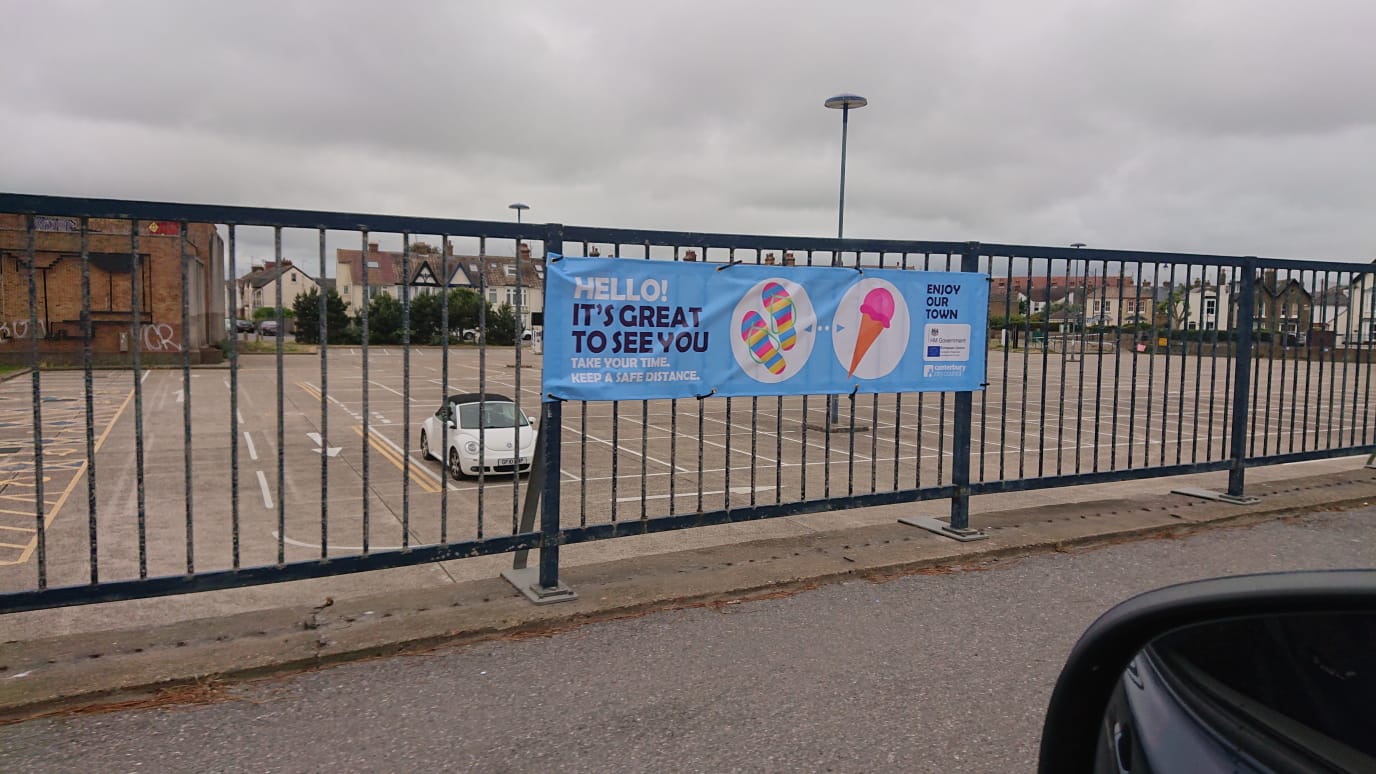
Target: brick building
x: 56, y: 275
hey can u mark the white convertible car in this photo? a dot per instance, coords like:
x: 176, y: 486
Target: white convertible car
x: 506, y: 435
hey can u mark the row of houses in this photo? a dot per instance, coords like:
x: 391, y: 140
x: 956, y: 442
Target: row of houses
x: 1282, y: 305
x: 362, y: 275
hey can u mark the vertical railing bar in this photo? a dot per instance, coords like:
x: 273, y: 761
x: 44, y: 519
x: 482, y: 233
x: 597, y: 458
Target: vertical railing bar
x: 1234, y: 317
x: 1347, y: 336
x: 1151, y: 362
x: 897, y: 413
x: 1308, y: 376
x: 984, y: 394
x: 673, y: 439
x: 1270, y: 374
x: 1184, y: 367
x: 1256, y: 364
x: 1166, y: 368
x: 1213, y: 361
x: 802, y: 479
x: 482, y: 387
x: 445, y: 249
x: 136, y: 306
x: 234, y: 404
x: 281, y: 406
x: 406, y: 391
x: 324, y: 334
x: 87, y: 337
x: 1199, y: 356
x: 1026, y: 371
x: 1080, y: 383
x: 1099, y: 357
x: 1066, y: 314
x: 583, y: 464
x: 702, y: 409
x: 363, y: 345
x: 1007, y: 348
x: 1364, y: 331
x: 1118, y: 362
x: 726, y: 460
x: 1294, y: 390
x: 1046, y: 368
x: 1332, y: 367
x: 186, y: 396
x: 1132, y: 381
x: 516, y: 398
x: 35, y: 380
x: 1245, y: 313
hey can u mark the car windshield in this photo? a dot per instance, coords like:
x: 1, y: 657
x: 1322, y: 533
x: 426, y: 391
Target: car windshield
x: 494, y: 415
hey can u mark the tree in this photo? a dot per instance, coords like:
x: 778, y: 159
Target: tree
x: 501, y: 326
x: 306, y: 309
x: 465, y: 306
x: 1173, y: 310
x: 384, y: 320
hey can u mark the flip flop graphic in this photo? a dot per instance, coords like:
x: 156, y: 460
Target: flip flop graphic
x: 780, y: 307
x: 756, y: 336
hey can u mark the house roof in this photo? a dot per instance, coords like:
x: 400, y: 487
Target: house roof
x: 500, y: 271
x: 264, y: 275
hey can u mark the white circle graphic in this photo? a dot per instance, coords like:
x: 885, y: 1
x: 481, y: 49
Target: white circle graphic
x: 783, y: 336
x: 875, y: 308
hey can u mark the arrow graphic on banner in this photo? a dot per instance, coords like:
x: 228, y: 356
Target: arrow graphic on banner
x: 329, y: 451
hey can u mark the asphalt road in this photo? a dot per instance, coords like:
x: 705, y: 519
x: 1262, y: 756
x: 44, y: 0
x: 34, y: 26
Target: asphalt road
x: 938, y: 672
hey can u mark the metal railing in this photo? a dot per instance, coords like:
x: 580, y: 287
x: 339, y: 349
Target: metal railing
x: 289, y: 461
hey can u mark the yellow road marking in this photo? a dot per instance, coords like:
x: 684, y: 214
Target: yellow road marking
x: 12, y: 545
x: 71, y: 487
x: 18, y: 529
x: 423, y: 481
x: 311, y: 391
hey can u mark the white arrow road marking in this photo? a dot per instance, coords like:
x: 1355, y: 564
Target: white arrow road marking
x: 330, y: 451
x: 181, y: 397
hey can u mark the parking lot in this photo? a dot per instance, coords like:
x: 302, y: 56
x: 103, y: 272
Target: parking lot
x: 1042, y: 415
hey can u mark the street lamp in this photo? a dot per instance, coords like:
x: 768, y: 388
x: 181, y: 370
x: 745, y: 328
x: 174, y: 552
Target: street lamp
x: 843, y: 103
x: 518, y: 207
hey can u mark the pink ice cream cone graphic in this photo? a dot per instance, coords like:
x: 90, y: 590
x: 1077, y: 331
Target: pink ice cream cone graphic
x: 875, y: 313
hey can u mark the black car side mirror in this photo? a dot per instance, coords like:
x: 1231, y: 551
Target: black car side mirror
x: 1272, y: 672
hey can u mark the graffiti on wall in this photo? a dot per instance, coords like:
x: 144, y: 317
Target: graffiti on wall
x: 22, y: 328
x: 159, y: 337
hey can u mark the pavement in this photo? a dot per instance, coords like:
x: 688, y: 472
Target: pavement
x: 159, y: 650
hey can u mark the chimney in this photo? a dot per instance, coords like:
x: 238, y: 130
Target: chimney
x: 525, y: 251
x: 789, y: 260
x: 594, y: 252
x: 690, y: 255
x: 372, y: 247
x: 769, y: 259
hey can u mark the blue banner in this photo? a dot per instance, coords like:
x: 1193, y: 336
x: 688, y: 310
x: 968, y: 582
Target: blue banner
x: 622, y: 329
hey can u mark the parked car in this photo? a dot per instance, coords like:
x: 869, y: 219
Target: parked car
x: 1249, y: 674
x: 268, y: 328
x: 486, y: 433
x: 243, y: 326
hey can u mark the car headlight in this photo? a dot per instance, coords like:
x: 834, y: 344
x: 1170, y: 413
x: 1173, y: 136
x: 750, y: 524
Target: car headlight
x: 471, y: 447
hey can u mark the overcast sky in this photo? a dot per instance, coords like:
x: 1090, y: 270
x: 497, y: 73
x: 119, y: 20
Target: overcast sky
x: 1239, y: 127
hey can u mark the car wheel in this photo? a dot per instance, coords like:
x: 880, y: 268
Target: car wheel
x: 425, y: 447
x: 455, y: 466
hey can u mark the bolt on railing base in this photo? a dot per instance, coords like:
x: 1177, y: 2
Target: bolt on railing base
x: 527, y: 581
x: 939, y: 527
x: 1222, y: 497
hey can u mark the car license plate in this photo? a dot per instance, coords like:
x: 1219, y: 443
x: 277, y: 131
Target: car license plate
x: 507, y: 461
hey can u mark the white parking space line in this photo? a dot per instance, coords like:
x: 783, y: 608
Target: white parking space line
x: 629, y: 450
x: 252, y: 452
x: 734, y: 490
x: 263, y: 484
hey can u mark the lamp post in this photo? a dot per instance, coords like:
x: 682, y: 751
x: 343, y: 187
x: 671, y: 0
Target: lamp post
x: 518, y: 207
x: 843, y: 103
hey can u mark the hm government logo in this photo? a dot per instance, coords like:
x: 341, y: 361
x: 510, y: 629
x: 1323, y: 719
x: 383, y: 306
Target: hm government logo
x: 933, y: 333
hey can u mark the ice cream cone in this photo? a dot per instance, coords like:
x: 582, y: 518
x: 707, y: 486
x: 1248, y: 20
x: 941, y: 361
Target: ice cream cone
x: 870, y: 328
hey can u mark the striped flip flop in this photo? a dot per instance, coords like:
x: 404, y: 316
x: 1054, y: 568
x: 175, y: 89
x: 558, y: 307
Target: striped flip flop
x: 757, y: 337
x: 780, y: 307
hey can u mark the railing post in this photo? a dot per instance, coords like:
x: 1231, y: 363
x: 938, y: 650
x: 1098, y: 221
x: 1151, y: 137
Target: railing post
x: 542, y: 585
x: 963, y: 428
x: 1242, y: 374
